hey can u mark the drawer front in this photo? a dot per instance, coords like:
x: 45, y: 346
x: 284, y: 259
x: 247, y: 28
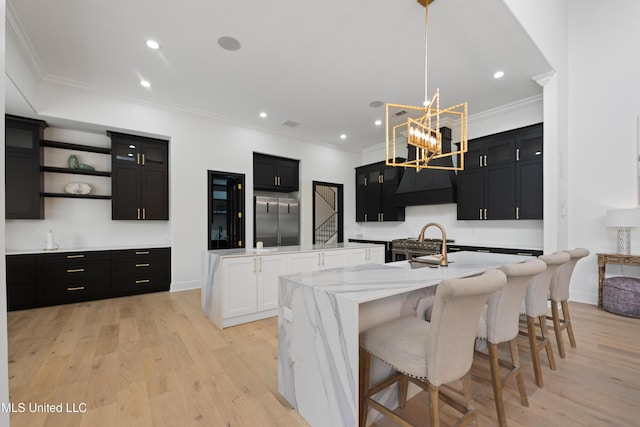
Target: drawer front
x: 141, y: 283
x: 142, y: 254
x: 76, y: 271
x: 73, y: 290
x: 69, y: 257
x: 139, y: 266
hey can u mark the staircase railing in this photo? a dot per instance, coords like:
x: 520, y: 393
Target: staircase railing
x: 325, y: 231
x: 328, y: 194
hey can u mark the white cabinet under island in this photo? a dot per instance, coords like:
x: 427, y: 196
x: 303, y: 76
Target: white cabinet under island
x: 241, y: 285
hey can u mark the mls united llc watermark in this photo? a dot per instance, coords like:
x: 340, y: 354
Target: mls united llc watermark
x: 34, y: 407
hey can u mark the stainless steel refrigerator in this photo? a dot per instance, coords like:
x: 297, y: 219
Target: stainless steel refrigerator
x: 276, y: 221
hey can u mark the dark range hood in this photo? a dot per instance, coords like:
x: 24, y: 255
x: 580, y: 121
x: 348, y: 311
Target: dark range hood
x: 429, y: 186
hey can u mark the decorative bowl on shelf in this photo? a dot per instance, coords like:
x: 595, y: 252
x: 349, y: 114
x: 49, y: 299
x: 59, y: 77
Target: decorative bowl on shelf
x: 78, y: 188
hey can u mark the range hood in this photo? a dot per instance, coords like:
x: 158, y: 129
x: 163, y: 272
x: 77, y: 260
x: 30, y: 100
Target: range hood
x: 429, y: 186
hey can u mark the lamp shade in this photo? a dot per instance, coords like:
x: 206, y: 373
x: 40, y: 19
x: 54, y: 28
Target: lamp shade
x: 623, y: 218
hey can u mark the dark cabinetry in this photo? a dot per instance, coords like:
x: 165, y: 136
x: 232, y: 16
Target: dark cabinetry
x: 376, y: 193
x: 23, y: 181
x: 140, y: 177
x: 37, y: 280
x: 140, y: 271
x: 275, y: 173
x: 21, y: 281
x: 502, y: 178
x: 72, y: 277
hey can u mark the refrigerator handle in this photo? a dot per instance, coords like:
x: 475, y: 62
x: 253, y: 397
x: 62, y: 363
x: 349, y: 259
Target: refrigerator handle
x: 288, y: 208
x: 267, y: 207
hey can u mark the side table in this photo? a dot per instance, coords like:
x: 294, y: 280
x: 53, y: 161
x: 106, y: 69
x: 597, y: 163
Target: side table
x: 604, y: 259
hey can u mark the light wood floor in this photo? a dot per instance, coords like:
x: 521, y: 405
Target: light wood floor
x: 155, y: 360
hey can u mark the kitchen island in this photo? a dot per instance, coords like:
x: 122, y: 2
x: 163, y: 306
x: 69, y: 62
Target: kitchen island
x: 322, y: 313
x: 241, y: 285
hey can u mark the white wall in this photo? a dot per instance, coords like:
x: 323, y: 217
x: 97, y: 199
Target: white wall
x: 596, y: 103
x: 526, y: 234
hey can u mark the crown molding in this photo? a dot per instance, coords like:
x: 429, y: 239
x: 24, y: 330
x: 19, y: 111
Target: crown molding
x: 15, y: 29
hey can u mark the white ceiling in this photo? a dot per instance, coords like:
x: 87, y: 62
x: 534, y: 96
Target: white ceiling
x: 316, y: 63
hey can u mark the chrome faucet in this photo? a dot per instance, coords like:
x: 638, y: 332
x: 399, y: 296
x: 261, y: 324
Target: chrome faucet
x: 443, y: 256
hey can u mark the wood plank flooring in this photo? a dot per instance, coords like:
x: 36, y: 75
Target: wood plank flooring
x: 155, y: 360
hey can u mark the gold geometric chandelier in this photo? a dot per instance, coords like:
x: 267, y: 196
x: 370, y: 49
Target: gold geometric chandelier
x: 421, y: 129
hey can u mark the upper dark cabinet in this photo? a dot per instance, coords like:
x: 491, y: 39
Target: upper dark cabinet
x: 502, y: 178
x: 23, y: 180
x: 139, y: 177
x: 376, y: 186
x: 273, y: 173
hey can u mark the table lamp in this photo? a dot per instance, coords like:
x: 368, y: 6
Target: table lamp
x: 624, y: 220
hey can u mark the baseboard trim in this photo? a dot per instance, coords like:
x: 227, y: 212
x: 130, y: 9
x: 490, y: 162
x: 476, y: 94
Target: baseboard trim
x: 185, y: 286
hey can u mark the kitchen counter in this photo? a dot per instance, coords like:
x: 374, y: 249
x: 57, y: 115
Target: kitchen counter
x: 322, y: 313
x: 83, y: 249
x: 241, y: 285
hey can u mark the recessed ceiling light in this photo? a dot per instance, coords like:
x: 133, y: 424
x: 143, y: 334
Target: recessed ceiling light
x: 378, y: 122
x: 343, y: 136
x: 263, y: 114
x: 145, y: 83
x: 498, y: 74
x: 152, y: 44
x: 229, y: 43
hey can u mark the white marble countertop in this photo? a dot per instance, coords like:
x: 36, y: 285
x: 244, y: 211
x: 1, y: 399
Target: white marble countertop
x: 369, y: 282
x: 287, y: 249
x: 85, y: 249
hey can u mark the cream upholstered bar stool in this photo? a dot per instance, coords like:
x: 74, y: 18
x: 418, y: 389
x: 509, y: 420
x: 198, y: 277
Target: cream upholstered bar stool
x: 499, y: 323
x: 535, y: 303
x: 430, y: 354
x: 559, y: 293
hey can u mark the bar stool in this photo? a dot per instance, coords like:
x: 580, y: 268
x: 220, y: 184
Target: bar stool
x: 429, y: 354
x: 500, y: 324
x: 536, y: 310
x: 559, y: 293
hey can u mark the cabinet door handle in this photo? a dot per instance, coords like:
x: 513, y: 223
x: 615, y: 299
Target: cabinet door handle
x: 485, y: 213
x: 142, y: 265
x: 524, y: 253
x: 260, y: 265
x: 138, y: 213
x: 142, y: 253
x: 138, y: 157
x: 365, y: 182
x: 142, y: 281
x: 254, y: 265
x: 75, y: 256
x: 142, y: 159
x: 75, y: 270
x: 517, y: 213
x: 144, y: 213
x: 381, y: 216
x: 77, y: 288
x: 365, y: 217
x: 480, y: 160
x: 517, y: 154
x: 485, y: 160
x: 480, y: 213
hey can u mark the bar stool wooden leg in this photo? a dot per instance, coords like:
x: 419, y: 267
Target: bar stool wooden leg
x: 533, y: 345
x: 515, y: 358
x: 557, y: 327
x: 546, y: 342
x: 434, y: 414
x: 365, y: 365
x: 496, y: 382
x: 567, y: 322
x: 402, y: 391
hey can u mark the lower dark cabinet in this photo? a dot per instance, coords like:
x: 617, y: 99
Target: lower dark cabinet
x: 40, y: 280
x: 21, y: 282
x: 141, y: 271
